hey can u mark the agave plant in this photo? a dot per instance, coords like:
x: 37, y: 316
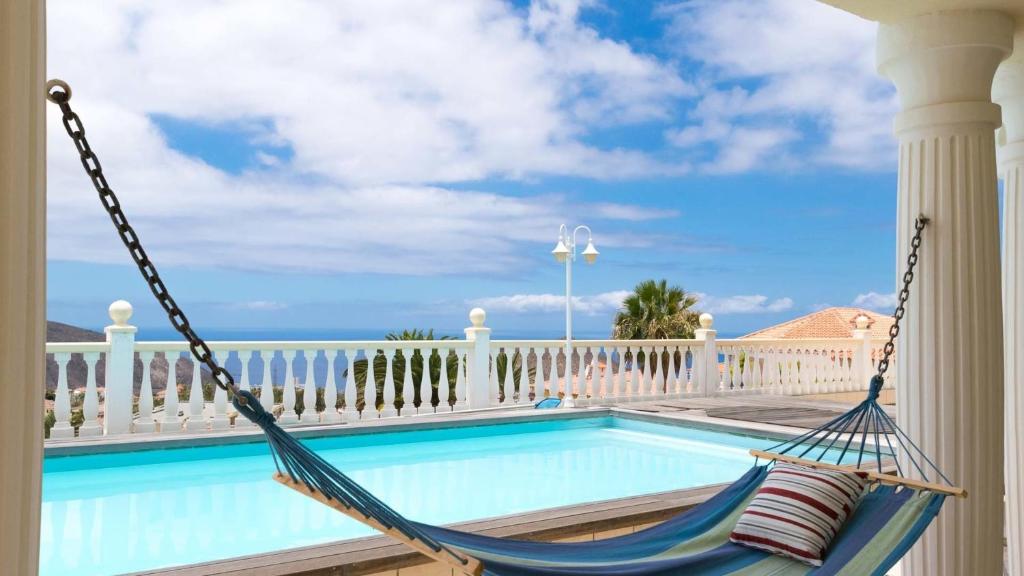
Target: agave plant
x: 398, y: 367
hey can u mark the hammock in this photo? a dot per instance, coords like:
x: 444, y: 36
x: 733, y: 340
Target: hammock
x: 886, y: 523
x: 888, y: 520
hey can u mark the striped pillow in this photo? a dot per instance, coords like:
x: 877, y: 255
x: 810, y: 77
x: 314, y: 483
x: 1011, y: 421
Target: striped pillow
x: 797, y: 511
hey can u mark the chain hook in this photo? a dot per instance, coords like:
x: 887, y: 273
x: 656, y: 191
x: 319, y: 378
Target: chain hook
x: 58, y: 91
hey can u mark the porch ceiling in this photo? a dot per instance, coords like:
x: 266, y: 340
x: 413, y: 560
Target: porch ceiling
x: 888, y: 10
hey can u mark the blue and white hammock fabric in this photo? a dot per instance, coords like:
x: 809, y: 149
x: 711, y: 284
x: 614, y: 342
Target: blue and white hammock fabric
x: 890, y: 517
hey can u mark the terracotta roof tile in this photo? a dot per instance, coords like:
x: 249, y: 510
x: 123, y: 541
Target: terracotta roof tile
x: 835, y: 322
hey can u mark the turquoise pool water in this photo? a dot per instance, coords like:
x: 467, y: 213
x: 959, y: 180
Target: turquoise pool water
x: 109, y: 514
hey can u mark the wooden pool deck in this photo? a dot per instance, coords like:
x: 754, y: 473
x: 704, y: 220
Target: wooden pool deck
x: 788, y: 411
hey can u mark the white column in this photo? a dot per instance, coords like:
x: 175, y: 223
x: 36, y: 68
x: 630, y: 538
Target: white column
x: 709, y: 369
x: 950, y: 369
x: 1008, y: 92
x: 479, y: 364
x: 22, y: 279
x: 120, y: 370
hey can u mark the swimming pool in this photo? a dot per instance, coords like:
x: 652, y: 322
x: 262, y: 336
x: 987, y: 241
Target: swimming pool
x: 114, y: 513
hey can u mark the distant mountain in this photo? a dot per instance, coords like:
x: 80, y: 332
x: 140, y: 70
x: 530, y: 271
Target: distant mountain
x: 59, y: 332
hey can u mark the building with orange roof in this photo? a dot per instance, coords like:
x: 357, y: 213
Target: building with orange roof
x: 834, y: 322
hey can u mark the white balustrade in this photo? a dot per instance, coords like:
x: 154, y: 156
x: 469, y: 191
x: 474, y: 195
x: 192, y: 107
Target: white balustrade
x: 379, y: 379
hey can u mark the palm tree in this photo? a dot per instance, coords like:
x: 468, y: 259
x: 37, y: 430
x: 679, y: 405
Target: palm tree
x: 398, y: 365
x: 656, y: 311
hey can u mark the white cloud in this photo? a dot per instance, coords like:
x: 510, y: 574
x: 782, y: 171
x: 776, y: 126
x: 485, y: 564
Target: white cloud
x: 525, y: 303
x: 391, y: 91
x: 876, y: 301
x: 742, y: 304
x: 380, y: 102
x: 772, y: 67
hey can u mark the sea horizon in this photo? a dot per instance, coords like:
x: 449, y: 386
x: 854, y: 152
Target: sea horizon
x: 160, y: 333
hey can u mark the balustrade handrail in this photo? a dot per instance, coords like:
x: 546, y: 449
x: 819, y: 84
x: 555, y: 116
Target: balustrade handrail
x: 76, y: 347
x: 305, y: 345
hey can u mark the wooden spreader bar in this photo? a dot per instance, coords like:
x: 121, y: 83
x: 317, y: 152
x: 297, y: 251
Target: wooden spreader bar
x: 876, y: 476
x: 472, y: 567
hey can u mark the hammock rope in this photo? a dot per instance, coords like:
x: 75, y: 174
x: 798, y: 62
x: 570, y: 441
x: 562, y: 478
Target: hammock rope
x: 695, y: 541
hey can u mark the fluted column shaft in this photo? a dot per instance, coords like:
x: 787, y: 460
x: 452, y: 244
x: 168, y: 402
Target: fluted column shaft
x: 1008, y: 92
x: 22, y: 279
x: 950, y: 371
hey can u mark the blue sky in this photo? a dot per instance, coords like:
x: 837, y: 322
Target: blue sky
x: 364, y: 167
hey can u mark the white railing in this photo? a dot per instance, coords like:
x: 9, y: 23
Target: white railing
x: 156, y: 387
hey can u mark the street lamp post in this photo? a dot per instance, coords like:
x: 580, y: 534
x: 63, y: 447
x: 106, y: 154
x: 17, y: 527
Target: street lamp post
x: 565, y: 252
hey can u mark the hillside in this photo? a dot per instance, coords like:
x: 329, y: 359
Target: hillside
x: 59, y: 332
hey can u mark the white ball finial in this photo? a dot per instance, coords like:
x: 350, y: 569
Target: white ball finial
x: 706, y: 320
x: 862, y: 322
x: 120, y: 312
x: 477, y: 317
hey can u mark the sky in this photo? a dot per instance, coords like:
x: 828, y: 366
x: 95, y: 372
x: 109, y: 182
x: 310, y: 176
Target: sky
x: 343, y: 167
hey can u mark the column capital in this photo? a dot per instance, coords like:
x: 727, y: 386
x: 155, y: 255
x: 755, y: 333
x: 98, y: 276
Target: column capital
x: 1008, y: 92
x: 943, y: 64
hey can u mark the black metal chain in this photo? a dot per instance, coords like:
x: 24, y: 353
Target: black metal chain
x: 901, y: 307
x: 58, y: 92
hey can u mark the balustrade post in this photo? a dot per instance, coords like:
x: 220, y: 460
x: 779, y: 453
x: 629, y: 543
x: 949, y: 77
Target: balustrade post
x: 244, y: 356
x: 62, y: 400
x: 196, y: 401
x: 220, y: 419
x: 862, y: 359
x: 331, y: 414
x: 479, y: 392
x: 120, y: 370
x: 709, y: 375
x: 146, y: 422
